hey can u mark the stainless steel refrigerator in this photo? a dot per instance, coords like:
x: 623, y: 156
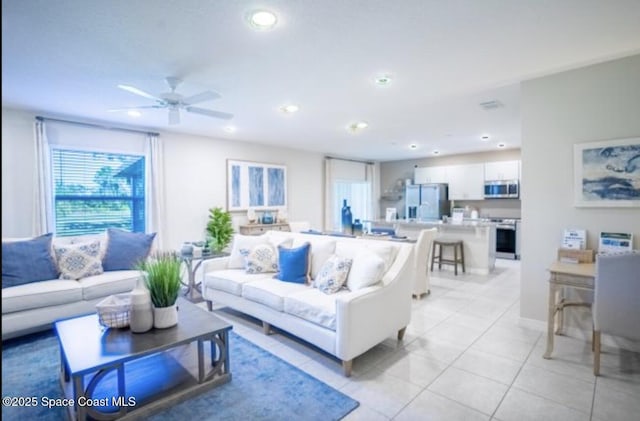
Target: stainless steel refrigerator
x: 434, y: 201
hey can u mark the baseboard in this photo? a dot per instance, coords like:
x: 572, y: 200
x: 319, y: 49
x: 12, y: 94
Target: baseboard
x: 532, y: 324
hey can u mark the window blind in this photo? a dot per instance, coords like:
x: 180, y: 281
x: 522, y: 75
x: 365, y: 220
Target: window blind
x: 94, y: 191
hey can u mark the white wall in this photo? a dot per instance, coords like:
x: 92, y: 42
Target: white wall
x: 589, y: 104
x: 195, y: 173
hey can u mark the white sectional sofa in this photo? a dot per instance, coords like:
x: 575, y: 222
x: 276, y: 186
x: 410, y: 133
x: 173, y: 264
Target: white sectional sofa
x: 344, y: 324
x: 35, y: 306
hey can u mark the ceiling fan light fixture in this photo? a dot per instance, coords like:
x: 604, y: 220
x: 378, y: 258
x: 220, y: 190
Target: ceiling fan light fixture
x: 262, y: 19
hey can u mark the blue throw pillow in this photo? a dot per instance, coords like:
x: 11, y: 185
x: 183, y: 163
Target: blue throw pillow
x: 28, y: 261
x: 126, y: 249
x: 293, y: 264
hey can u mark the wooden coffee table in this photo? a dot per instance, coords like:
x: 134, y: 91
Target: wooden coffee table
x: 113, y: 373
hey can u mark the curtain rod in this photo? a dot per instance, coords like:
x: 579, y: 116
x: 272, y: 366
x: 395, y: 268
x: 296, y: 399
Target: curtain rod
x: 94, y: 125
x: 350, y: 160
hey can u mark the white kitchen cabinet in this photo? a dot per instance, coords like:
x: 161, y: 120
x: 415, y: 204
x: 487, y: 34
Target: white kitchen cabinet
x: 502, y: 170
x: 426, y: 175
x: 466, y: 182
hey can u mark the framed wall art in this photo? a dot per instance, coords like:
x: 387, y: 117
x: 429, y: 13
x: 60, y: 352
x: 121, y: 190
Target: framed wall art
x: 607, y: 173
x: 255, y: 185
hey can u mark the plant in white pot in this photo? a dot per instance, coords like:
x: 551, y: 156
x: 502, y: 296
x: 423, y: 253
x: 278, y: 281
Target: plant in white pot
x: 162, y: 277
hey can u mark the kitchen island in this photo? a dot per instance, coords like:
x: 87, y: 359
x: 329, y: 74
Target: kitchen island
x: 478, y: 237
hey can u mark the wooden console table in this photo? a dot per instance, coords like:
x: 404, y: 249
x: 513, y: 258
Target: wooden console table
x: 580, y: 276
x: 258, y: 229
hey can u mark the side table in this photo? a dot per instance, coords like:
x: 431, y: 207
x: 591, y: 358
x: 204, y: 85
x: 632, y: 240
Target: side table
x: 194, y: 290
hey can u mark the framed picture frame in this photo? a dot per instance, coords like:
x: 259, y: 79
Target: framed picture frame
x: 607, y: 173
x: 256, y: 185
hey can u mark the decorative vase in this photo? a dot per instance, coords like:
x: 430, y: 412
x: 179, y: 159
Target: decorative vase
x: 164, y: 317
x: 357, y: 227
x: 347, y: 218
x: 267, y: 217
x: 187, y: 249
x: 141, y: 313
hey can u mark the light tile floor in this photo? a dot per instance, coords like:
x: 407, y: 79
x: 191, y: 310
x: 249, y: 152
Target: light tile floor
x: 464, y: 357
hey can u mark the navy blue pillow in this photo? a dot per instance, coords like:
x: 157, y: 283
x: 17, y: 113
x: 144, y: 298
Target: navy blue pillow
x: 293, y: 264
x: 126, y: 249
x: 28, y: 261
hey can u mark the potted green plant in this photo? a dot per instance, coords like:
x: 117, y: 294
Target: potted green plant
x: 163, y: 280
x: 219, y: 229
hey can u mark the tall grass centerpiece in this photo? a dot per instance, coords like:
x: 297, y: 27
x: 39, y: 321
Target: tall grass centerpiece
x: 163, y: 279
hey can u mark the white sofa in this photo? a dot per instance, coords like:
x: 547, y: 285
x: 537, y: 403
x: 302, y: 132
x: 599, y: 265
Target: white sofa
x: 344, y: 324
x: 35, y: 306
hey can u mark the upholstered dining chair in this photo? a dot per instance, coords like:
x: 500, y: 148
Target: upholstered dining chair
x: 616, y: 310
x: 423, y: 246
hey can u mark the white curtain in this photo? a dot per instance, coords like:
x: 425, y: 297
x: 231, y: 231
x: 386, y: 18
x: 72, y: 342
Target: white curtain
x: 154, y: 185
x: 43, y: 218
x: 373, y: 180
x: 329, y: 211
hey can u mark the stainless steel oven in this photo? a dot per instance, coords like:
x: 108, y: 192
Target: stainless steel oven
x: 507, y: 238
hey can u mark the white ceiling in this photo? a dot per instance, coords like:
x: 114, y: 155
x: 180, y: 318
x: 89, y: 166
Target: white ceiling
x: 66, y: 58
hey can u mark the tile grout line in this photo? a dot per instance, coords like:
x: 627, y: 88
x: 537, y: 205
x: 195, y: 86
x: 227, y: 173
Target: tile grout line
x: 449, y: 365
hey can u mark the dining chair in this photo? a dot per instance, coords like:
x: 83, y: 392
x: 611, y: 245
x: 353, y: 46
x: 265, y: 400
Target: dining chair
x: 615, y: 301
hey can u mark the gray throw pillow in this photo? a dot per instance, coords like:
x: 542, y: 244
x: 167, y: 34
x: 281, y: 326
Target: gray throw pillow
x: 28, y: 261
x: 126, y: 249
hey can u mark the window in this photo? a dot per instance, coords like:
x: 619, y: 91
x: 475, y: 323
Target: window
x: 358, y: 196
x: 94, y: 191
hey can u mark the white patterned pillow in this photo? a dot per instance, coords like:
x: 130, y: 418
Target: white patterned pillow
x: 76, y: 261
x: 333, y: 274
x: 262, y: 258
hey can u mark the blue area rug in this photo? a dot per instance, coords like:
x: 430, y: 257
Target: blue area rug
x: 263, y: 386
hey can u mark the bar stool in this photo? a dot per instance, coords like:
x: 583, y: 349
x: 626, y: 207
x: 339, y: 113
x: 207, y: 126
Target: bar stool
x: 458, y: 254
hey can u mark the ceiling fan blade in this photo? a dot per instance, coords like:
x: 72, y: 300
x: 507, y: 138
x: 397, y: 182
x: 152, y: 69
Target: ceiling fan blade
x: 143, y: 107
x: 139, y: 92
x: 201, y: 97
x: 209, y: 113
x: 174, y: 116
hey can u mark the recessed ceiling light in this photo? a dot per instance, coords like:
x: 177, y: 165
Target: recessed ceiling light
x: 484, y: 137
x: 263, y: 19
x: 501, y: 145
x: 134, y: 113
x: 357, y: 126
x: 436, y: 152
x: 229, y: 129
x: 290, y: 108
x: 413, y: 146
x: 383, y: 80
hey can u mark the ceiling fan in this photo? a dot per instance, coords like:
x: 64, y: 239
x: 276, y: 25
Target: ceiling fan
x: 175, y: 102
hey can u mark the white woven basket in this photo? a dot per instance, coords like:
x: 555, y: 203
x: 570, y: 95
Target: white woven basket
x: 114, y: 311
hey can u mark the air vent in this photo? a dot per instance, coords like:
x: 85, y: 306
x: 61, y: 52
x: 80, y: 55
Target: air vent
x: 491, y: 105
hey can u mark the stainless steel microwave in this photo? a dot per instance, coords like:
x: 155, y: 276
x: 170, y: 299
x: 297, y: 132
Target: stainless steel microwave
x: 502, y: 189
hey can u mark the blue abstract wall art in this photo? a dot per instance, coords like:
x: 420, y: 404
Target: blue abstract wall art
x: 235, y: 185
x: 276, y: 186
x: 608, y: 173
x: 255, y: 185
